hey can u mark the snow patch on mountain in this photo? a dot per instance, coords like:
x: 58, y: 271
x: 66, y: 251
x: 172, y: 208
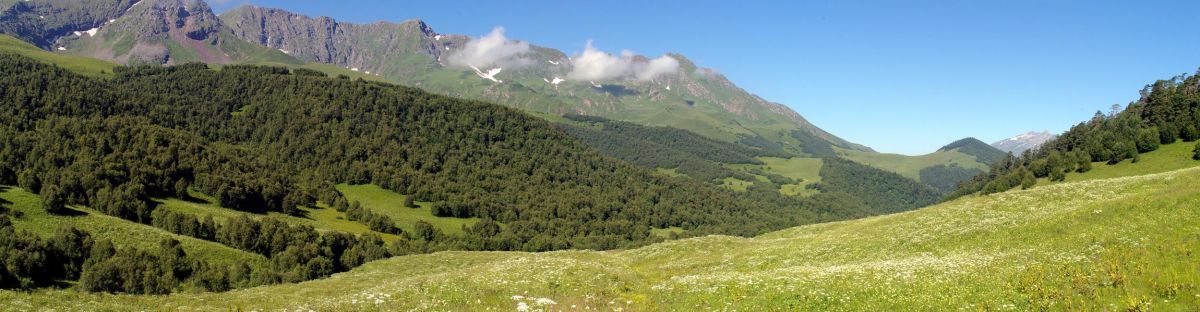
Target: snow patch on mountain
x: 489, y: 75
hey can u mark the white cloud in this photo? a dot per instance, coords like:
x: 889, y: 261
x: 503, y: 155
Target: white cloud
x: 594, y: 64
x: 662, y: 65
x: 493, y: 49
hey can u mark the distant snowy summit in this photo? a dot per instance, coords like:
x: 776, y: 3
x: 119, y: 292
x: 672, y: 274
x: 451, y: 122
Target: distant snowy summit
x: 1019, y: 144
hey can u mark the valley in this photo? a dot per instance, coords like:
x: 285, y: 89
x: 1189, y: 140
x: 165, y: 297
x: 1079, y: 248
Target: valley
x: 1085, y: 244
x: 200, y: 155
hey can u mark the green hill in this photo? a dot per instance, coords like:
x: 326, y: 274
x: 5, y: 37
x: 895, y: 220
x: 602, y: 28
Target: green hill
x: 703, y: 102
x: 122, y: 233
x: 984, y: 153
x: 82, y: 65
x: 1166, y: 158
x: 412, y: 53
x: 1116, y: 244
x: 1167, y: 111
x: 314, y: 174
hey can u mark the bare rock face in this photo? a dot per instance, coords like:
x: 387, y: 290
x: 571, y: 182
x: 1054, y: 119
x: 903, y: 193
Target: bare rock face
x: 325, y: 40
x: 153, y: 27
x: 44, y: 22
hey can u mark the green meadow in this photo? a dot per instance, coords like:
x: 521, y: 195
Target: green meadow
x: 1128, y: 243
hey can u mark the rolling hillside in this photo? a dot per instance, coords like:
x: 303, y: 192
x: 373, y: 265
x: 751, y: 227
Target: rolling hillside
x: 330, y: 173
x: 1119, y: 244
x: 412, y: 53
x: 692, y: 98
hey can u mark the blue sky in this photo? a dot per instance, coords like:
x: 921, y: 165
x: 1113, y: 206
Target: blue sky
x: 898, y: 76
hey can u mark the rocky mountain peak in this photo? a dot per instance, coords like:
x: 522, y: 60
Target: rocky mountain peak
x: 1025, y: 141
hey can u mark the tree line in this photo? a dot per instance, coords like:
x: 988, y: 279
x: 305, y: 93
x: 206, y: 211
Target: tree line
x: 1167, y: 111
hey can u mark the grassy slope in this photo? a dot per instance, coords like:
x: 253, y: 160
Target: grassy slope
x: 1098, y: 244
x: 99, y: 68
x: 321, y: 219
x: 325, y: 219
x: 83, y: 65
x: 910, y: 166
x: 391, y: 204
x: 804, y: 170
x: 122, y: 233
x: 1166, y: 158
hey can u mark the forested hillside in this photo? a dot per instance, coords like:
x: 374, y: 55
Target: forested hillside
x: 1166, y: 112
x: 266, y: 139
x: 883, y: 191
x: 669, y: 148
x: 983, y: 152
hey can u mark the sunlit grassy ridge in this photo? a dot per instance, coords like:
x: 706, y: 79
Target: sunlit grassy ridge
x: 910, y: 166
x: 1166, y: 158
x: 805, y: 171
x: 321, y: 219
x: 82, y: 65
x: 121, y: 232
x: 391, y: 204
x: 1107, y: 244
x: 99, y: 68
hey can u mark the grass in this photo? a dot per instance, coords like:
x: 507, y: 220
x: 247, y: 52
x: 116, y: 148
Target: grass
x: 122, y: 233
x: 82, y: 65
x: 797, y: 190
x: 910, y: 166
x: 666, y: 233
x: 320, y: 218
x: 1107, y: 244
x: 99, y: 68
x: 736, y: 184
x: 391, y: 204
x: 1166, y: 158
x: 672, y: 172
x: 805, y: 171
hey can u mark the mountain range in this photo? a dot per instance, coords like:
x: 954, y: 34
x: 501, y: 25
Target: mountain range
x: 1023, y: 142
x: 664, y: 91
